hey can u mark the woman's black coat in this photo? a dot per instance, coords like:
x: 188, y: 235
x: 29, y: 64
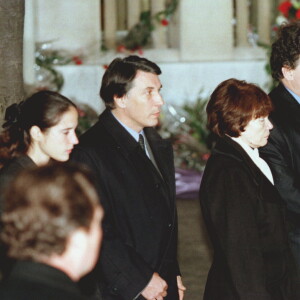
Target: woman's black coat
x: 245, y: 219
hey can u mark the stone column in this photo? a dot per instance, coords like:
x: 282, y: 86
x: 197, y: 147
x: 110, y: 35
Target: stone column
x: 206, y: 33
x: 264, y: 11
x: 159, y: 35
x: 242, y: 22
x: 110, y: 23
x: 29, y: 43
x: 133, y: 12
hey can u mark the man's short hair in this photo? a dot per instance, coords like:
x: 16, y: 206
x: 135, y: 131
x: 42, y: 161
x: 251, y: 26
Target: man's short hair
x: 286, y: 49
x: 233, y: 104
x: 43, y: 206
x: 117, y: 79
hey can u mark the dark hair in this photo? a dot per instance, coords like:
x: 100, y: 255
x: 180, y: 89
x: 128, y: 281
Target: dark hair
x: 233, y: 104
x: 286, y: 49
x: 43, y: 206
x: 117, y: 79
x: 43, y: 109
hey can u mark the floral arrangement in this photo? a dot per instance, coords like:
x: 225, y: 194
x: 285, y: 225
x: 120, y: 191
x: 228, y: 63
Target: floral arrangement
x: 46, y: 58
x: 139, y: 35
x: 87, y: 117
x: 185, y: 126
x: 289, y: 11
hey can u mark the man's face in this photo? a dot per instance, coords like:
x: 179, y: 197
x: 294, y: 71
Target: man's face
x: 292, y: 78
x: 142, y: 104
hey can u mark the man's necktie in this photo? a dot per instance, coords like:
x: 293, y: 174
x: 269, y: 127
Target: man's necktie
x: 142, y: 142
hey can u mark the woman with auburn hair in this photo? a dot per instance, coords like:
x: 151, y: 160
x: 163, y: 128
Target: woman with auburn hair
x: 243, y: 212
x: 36, y: 130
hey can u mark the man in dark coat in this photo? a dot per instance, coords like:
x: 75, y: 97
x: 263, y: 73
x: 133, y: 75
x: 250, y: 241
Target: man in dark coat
x: 134, y: 169
x: 283, y: 150
x: 51, y: 226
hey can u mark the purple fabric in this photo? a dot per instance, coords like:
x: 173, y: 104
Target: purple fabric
x: 187, y: 183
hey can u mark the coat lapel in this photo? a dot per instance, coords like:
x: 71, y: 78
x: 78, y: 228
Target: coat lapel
x: 130, y: 149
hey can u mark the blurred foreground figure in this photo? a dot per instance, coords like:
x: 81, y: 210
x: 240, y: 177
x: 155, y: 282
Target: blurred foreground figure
x: 243, y: 212
x: 51, y: 226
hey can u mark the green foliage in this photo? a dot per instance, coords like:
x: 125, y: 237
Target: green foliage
x: 140, y: 34
x: 87, y: 118
x: 185, y: 126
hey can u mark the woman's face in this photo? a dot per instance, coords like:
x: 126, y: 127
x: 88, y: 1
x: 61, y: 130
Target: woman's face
x: 58, y: 141
x: 257, y: 132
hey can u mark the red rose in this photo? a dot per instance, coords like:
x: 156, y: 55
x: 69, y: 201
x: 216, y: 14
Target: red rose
x: 164, y: 22
x: 284, y: 8
x: 298, y: 14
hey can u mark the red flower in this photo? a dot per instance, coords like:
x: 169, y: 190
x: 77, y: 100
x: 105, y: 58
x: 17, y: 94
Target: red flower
x: 105, y: 67
x: 121, y: 48
x: 81, y: 113
x: 298, y: 14
x: 284, y: 8
x: 164, y: 22
x: 77, y: 60
x: 205, y: 156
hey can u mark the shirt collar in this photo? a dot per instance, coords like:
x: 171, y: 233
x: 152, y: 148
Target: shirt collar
x: 293, y: 94
x: 132, y: 132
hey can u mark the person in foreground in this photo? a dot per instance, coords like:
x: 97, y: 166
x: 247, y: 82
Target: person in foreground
x: 36, y: 130
x: 136, y: 178
x: 243, y: 212
x: 51, y: 225
x: 283, y: 150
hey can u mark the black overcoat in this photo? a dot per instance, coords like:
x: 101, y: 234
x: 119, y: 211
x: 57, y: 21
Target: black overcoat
x: 283, y: 150
x: 140, y: 223
x: 35, y: 281
x: 10, y: 171
x: 245, y: 219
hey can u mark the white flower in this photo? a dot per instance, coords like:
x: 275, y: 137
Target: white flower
x: 281, y: 19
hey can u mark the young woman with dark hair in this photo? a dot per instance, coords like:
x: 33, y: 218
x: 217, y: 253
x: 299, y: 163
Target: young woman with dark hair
x: 36, y: 130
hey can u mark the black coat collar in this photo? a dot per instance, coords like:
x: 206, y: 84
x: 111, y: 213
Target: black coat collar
x: 287, y: 109
x: 162, y: 149
x: 124, y: 138
x: 226, y: 146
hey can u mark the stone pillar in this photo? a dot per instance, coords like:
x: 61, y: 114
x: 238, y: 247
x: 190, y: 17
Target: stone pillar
x: 206, y: 33
x: 264, y: 11
x: 242, y: 22
x: 133, y: 12
x: 159, y: 35
x: 70, y: 24
x: 29, y: 43
x: 110, y: 23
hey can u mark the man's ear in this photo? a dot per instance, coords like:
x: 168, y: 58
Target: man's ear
x: 78, y: 239
x: 120, y: 101
x: 287, y: 73
x: 35, y: 133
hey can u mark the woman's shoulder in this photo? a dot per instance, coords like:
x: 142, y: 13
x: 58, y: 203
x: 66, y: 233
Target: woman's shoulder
x: 12, y: 168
